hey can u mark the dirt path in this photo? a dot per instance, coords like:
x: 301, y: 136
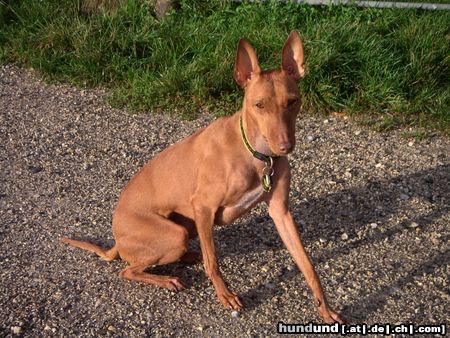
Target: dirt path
x: 373, y: 209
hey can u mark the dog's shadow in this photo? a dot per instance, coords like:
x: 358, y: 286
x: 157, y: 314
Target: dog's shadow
x: 348, y: 211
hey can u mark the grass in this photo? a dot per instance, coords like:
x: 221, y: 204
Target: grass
x: 416, y: 134
x: 391, y: 63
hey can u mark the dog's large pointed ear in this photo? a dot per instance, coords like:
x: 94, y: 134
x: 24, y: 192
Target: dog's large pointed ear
x: 292, y: 61
x: 246, y: 63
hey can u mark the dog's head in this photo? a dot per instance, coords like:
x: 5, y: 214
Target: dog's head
x: 272, y: 98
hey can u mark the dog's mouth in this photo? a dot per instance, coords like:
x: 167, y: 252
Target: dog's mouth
x: 283, y: 153
x: 280, y: 151
x: 272, y: 153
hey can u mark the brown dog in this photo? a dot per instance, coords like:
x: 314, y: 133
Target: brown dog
x: 215, y: 176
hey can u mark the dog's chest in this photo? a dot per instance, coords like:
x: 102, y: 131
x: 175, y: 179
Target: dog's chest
x: 249, y: 198
x: 238, y: 207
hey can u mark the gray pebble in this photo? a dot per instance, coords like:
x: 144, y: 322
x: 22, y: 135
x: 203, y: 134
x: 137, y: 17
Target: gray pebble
x: 16, y: 329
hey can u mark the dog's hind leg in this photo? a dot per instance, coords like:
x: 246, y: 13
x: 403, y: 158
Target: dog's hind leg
x: 148, y: 241
x: 136, y: 273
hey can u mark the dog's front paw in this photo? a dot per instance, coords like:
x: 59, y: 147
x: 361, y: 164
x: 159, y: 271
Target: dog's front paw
x: 230, y: 300
x: 330, y: 317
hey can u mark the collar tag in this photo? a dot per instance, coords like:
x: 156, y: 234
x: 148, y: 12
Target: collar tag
x: 266, y: 180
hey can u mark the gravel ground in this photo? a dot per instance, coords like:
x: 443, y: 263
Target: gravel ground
x: 373, y: 209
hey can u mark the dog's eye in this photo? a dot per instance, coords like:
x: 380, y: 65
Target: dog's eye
x: 292, y: 102
x: 259, y: 105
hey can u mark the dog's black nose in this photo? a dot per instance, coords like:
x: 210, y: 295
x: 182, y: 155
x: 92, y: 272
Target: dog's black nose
x: 285, y: 147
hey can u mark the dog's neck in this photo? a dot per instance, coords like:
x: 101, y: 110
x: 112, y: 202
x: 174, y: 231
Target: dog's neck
x: 254, y: 135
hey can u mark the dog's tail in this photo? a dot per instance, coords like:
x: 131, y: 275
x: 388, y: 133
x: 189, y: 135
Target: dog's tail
x: 107, y: 255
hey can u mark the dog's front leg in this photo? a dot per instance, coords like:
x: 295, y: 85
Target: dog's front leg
x: 289, y: 234
x: 204, y: 218
x: 279, y: 211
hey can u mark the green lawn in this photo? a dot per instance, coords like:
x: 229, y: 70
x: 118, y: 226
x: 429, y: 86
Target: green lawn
x: 393, y: 64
